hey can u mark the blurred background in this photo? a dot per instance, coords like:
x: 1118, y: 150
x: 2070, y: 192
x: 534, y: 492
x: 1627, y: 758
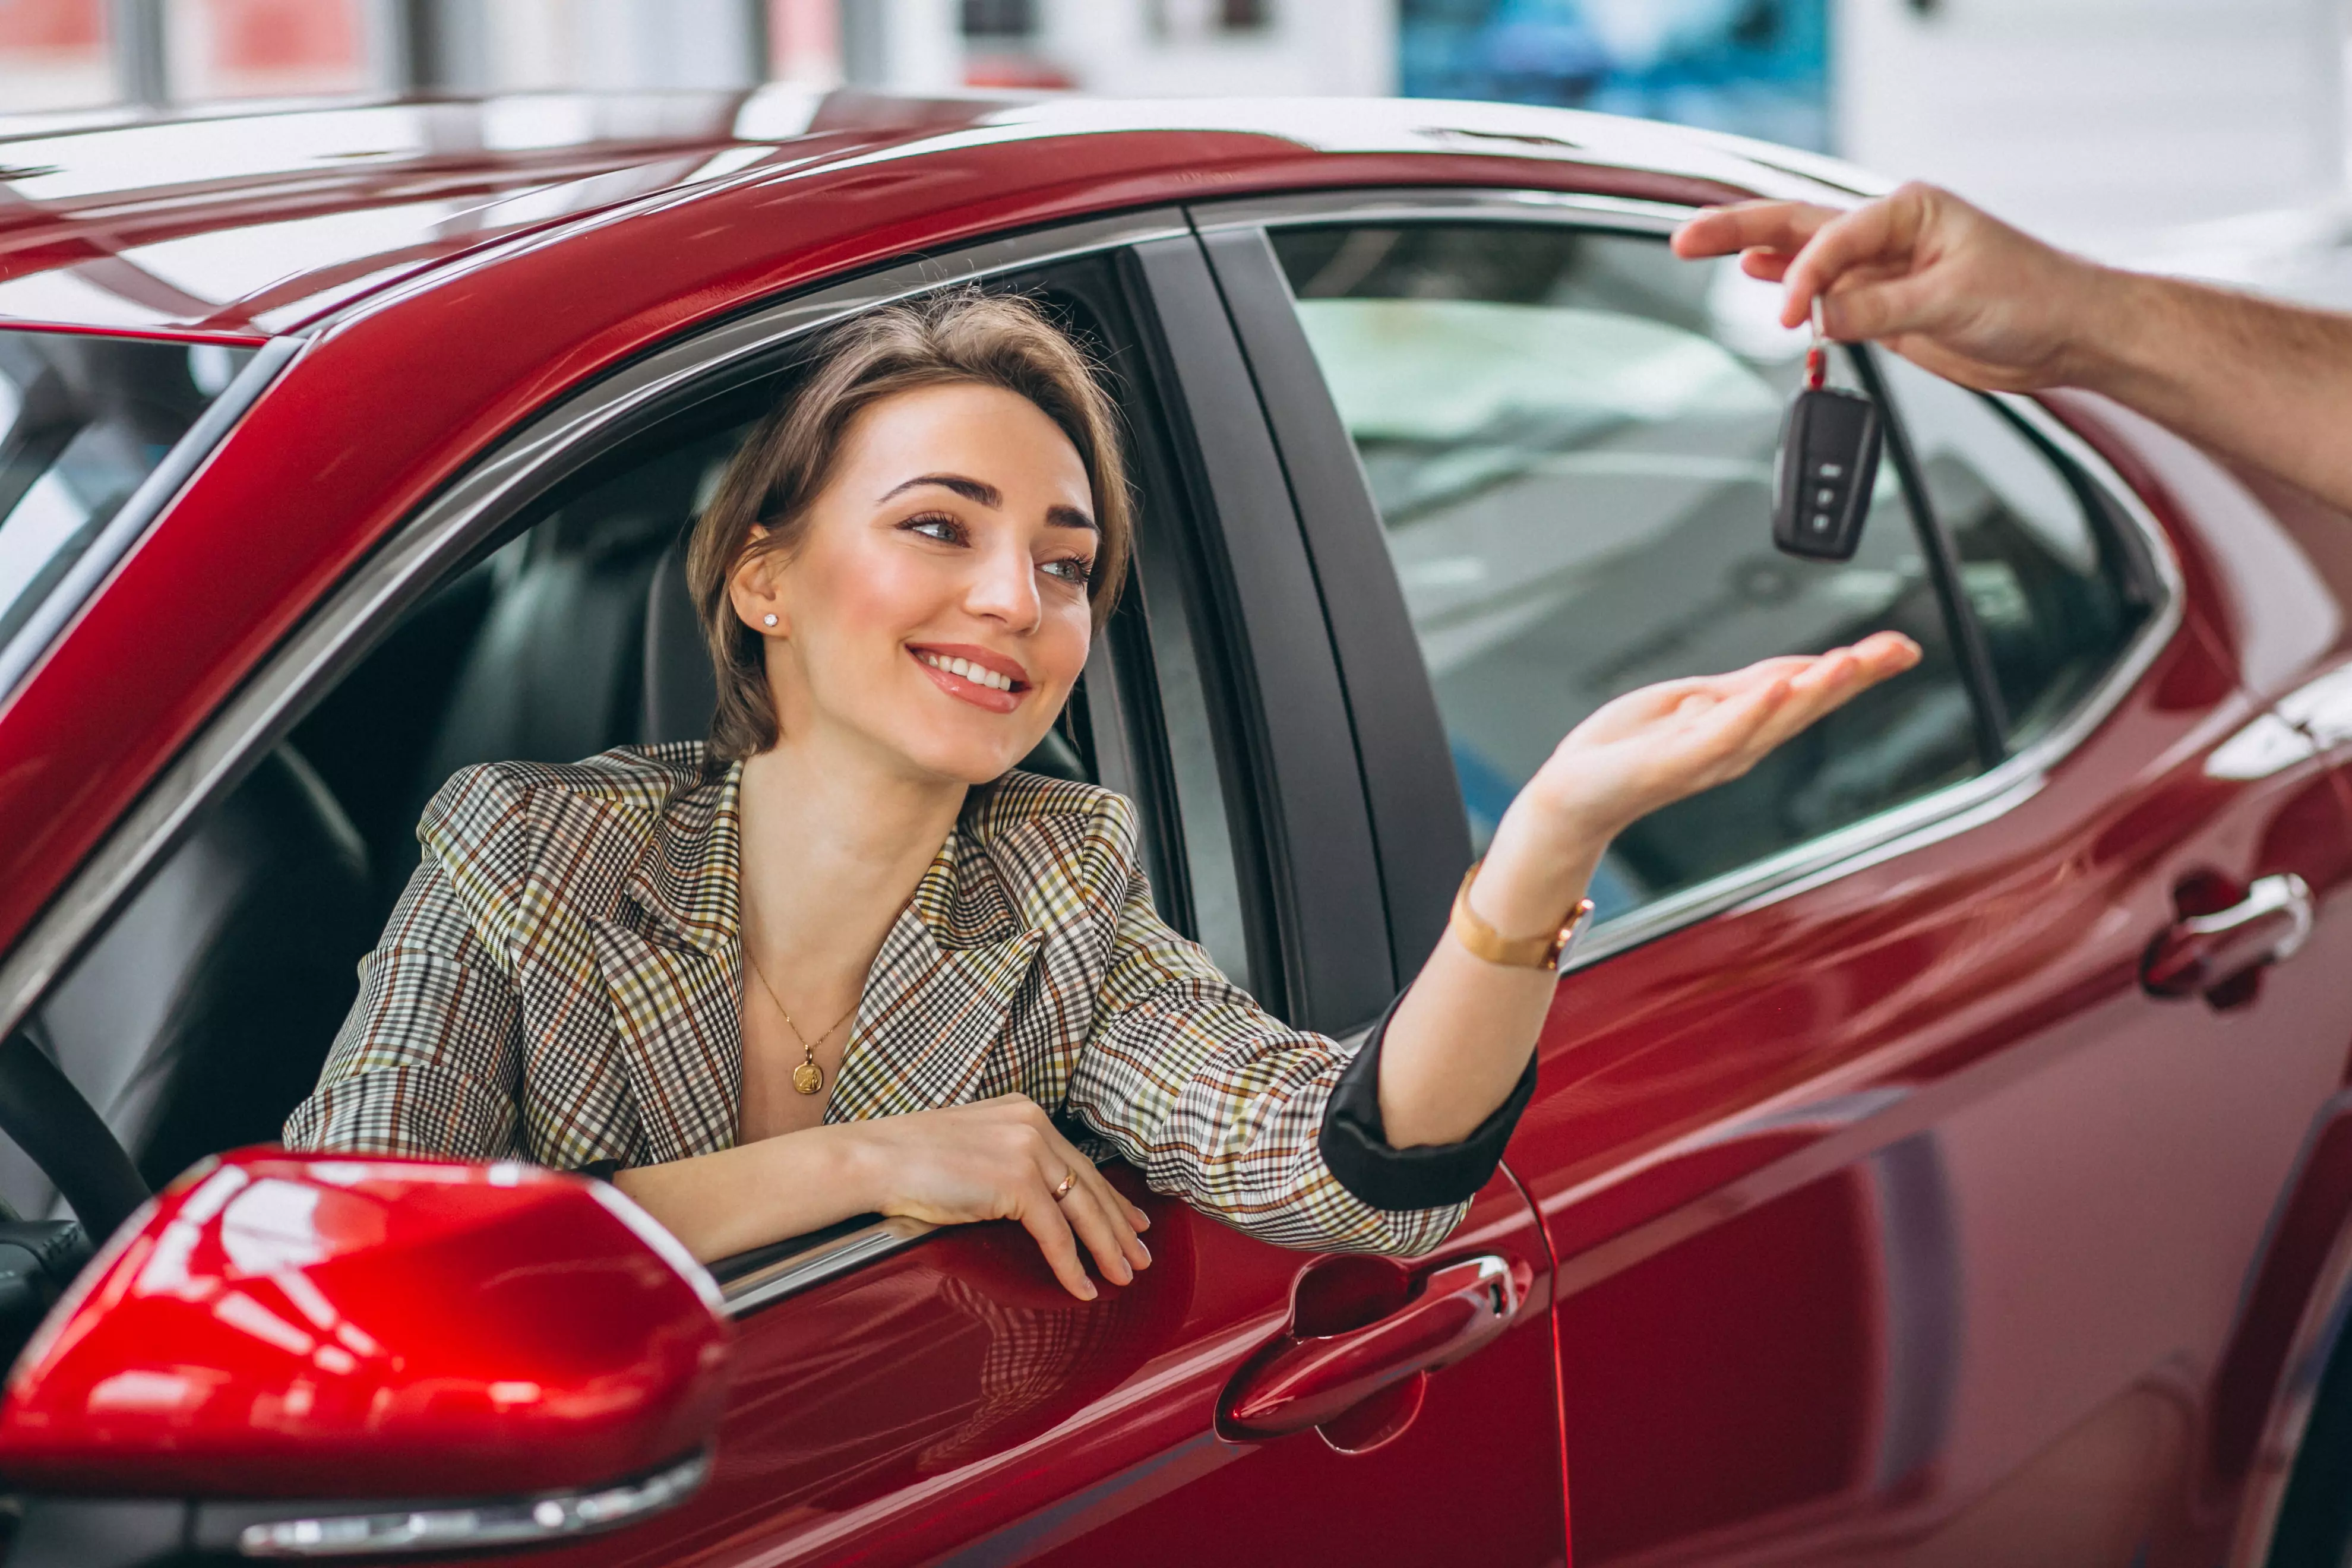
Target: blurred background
x: 2203, y: 136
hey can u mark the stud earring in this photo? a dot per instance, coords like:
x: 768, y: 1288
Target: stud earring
x: 769, y: 619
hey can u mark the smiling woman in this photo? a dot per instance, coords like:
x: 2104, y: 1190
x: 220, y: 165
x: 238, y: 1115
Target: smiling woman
x: 847, y: 958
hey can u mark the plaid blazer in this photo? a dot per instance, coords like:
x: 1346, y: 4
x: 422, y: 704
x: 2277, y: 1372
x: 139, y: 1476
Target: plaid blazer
x: 560, y: 983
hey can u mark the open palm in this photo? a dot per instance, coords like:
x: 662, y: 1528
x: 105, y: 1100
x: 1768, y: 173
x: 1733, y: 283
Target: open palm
x: 1657, y: 745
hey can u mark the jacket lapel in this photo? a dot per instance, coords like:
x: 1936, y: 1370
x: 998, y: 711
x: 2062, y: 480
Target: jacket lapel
x: 937, y: 997
x: 672, y: 964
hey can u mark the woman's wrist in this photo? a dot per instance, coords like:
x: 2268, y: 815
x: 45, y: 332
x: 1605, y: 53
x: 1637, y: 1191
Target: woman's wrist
x: 1535, y: 869
x: 850, y: 1168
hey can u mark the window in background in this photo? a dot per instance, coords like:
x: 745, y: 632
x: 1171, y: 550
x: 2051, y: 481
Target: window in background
x: 265, y: 48
x: 1569, y: 436
x: 1001, y: 44
x: 999, y: 18
x: 53, y: 54
x: 804, y: 42
x: 1205, y: 19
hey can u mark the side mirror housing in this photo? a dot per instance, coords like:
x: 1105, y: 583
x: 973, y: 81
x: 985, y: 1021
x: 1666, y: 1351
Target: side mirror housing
x: 280, y: 1341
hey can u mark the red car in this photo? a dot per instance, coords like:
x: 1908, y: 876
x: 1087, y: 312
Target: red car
x: 1940, y: 1153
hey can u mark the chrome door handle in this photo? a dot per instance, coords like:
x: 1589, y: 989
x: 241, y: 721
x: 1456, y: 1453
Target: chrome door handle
x: 2202, y: 951
x: 1301, y: 1382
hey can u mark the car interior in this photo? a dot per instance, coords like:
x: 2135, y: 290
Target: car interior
x: 201, y: 1016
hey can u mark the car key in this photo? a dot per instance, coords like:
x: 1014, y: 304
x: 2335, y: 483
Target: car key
x: 1826, y: 466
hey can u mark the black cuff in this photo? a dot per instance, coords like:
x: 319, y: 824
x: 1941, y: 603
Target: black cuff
x: 1355, y: 1144
x: 598, y: 1170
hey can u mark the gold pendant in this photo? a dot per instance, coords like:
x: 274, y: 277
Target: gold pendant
x: 808, y: 1078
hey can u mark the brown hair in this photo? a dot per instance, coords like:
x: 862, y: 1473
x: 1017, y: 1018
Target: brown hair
x: 961, y: 336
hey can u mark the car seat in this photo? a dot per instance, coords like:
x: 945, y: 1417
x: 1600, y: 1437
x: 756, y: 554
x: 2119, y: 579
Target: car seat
x: 201, y: 1016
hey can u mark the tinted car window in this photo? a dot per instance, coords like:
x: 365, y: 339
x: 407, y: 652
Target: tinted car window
x: 85, y: 419
x: 2040, y: 568
x: 1570, y: 439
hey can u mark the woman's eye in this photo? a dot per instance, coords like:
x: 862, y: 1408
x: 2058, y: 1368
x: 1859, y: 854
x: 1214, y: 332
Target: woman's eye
x: 944, y: 529
x: 1071, y: 569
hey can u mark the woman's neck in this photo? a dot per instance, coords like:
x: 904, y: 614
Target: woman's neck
x: 833, y: 845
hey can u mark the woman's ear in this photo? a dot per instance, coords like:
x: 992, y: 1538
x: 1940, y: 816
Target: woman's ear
x: 756, y: 593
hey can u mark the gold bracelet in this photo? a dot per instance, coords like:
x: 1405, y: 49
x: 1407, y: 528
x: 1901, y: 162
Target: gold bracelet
x: 1519, y: 953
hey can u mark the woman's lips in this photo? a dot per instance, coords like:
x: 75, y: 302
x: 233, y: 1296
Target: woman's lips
x: 972, y: 691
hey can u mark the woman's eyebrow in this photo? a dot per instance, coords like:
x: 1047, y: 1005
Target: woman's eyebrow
x: 1069, y: 517
x: 971, y: 489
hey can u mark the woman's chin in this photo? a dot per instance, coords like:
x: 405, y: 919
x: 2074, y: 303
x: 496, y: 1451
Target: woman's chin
x: 971, y: 765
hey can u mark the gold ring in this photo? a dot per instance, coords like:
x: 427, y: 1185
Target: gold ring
x: 1063, y: 1190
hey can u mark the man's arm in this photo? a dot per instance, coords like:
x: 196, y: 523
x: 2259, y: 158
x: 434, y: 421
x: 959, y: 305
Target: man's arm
x: 1970, y: 298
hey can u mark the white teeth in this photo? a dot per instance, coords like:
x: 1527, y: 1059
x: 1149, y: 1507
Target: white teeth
x: 979, y: 675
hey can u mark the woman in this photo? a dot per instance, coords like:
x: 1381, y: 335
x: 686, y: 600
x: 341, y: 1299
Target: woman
x: 842, y: 960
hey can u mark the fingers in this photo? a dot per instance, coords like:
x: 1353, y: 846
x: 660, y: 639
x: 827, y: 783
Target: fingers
x: 1836, y: 679
x: 1775, y: 699
x: 1872, y: 310
x: 1877, y: 235
x: 1043, y: 1218
x: 1091, y: 1208
x: 1783, y: 227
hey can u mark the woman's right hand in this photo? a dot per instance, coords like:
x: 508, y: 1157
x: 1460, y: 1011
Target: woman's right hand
x: 1000, y: 1158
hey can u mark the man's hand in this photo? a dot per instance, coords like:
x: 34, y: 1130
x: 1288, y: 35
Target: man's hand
x: 1942, y: 284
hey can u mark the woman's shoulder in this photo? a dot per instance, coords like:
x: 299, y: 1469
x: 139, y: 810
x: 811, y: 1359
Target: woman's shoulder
x: 628, y: 788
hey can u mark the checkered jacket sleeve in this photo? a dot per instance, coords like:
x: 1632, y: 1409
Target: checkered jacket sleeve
x: 429, y: 1056
x: 1219, y: 1103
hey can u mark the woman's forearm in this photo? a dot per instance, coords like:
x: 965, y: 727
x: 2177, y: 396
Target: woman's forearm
x: 723, y: 1204
x: 1459, y: 1040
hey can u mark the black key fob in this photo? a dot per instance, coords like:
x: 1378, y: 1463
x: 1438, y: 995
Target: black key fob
x: 1822, y: 476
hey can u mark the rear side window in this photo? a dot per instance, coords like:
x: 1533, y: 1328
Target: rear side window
x: 2040, y: 568
x: 85, y: 419
x: 1569, y: 438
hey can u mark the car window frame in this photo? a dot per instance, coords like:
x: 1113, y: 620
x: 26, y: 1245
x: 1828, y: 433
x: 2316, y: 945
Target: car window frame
x: 1383, y: 654
x: 473, y: 514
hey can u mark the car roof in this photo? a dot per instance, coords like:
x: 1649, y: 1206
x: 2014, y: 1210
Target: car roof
x: 269, y: 220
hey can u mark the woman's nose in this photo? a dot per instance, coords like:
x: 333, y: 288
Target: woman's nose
x: 1004, y: 589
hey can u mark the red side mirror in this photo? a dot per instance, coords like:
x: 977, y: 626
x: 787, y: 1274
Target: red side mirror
x: 276, y: 1327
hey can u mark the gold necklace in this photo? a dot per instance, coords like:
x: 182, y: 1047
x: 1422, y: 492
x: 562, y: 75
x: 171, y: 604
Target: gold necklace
x: 807, y: 1078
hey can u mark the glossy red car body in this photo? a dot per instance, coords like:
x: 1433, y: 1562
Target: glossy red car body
x: 1972, y: 1251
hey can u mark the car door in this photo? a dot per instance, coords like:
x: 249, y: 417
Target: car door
x: 1897, y: 1217
x: 901, y: 1394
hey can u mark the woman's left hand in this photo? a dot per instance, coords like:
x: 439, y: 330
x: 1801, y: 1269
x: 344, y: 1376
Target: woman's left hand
x: 1461, y: 1037
x: 1652, y: 747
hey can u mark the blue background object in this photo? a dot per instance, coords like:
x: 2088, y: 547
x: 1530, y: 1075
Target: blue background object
x: 1759, y: 68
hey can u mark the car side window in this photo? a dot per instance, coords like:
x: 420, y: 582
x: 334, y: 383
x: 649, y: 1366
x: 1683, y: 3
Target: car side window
x: 2040, y: 568
x: 1569, y: 436
x: 200, y: 1015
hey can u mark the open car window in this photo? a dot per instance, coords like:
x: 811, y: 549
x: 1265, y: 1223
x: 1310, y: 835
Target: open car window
x: 201, y: 1012
x: 1570, y: 436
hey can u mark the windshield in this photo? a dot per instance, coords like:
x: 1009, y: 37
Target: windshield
x: 85, y: 419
